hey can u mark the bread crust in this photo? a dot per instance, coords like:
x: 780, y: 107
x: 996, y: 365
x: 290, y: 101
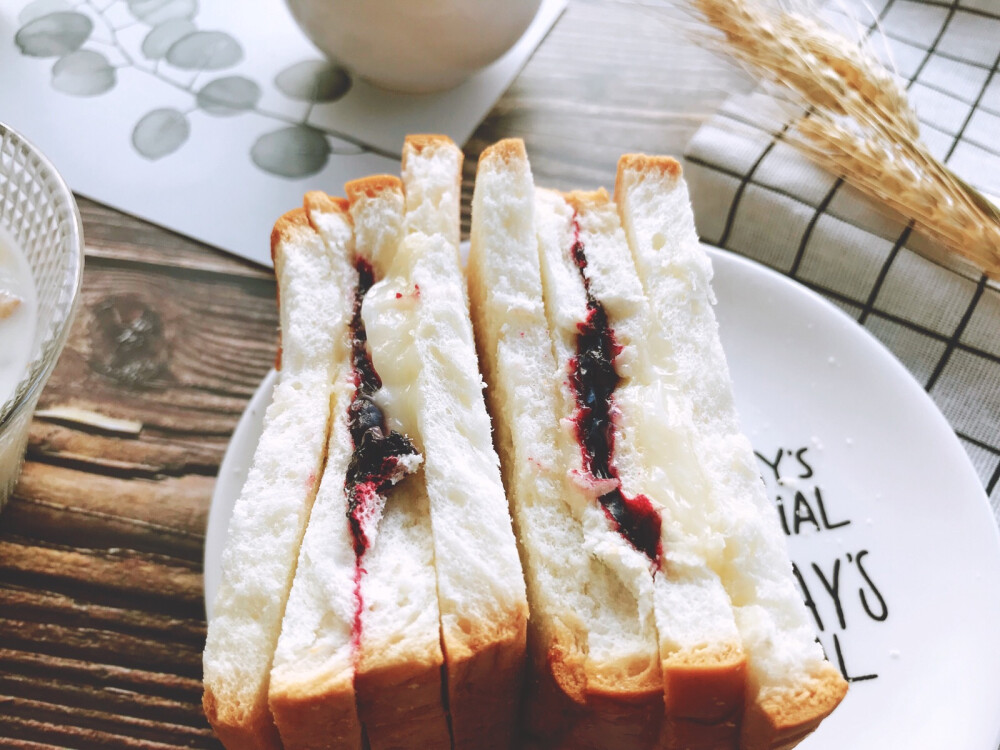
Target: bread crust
x: 705, y: 685
x: 563, y: 711
x: 485, y: 671
x: 399, y: 703
x: 508, y: 149
x: 317, y: 200
x: 419, y: 141
x: 320, y: 717
x: 783, y: 720
x: 665, y: 165
x: 371, y: 186
x: 703, y: 694
x: 582, y: 200
x: 253, y: 729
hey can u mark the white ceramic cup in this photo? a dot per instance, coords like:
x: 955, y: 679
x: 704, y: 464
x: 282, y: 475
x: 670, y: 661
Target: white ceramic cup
x: 416, y: 46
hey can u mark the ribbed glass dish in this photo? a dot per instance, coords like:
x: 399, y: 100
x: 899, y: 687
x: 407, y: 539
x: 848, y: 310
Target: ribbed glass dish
x: 39, y: 213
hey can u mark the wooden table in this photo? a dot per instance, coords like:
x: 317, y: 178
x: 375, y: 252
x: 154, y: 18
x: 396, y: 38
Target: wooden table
x: 101, y: 614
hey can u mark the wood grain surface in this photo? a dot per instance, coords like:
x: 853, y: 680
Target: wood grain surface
x: 101, y: 613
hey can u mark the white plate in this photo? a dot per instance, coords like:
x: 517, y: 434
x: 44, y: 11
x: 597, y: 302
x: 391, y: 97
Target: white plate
x: 906, y: 538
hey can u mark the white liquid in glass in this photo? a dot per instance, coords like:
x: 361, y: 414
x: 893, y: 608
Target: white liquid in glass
x: 18, y: 307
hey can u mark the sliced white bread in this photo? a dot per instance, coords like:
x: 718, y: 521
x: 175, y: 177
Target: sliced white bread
x: 481, y: 593
x: 270, y: 516
x: 312, y: 679
x: 399, y: 659
x: 702, y: 664
x: 595, y: 670
x: 791, y: 687
x: 622, y: 638
x: 701, y: 655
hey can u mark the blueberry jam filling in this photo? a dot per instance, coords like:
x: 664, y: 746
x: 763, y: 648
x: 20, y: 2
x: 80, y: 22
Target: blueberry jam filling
x: 374, y: 465
x: 594, y: 380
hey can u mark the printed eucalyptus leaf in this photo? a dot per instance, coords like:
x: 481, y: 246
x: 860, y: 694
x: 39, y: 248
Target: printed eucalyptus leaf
x: 314, y: 81
x: 228, y: 96
x: 162, y: 37
x: 161, y: 132
x: 54, y: 34
x: 83, y: 73
x: 205, y: 50
x: 296, y: 151
x: 155, y: 12
x: 39, y: 8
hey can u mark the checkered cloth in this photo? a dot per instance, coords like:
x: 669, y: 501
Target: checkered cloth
x: 756, y: 195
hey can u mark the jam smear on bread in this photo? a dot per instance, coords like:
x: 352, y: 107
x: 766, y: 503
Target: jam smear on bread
x: 594, y: 380
x: 375, y: 462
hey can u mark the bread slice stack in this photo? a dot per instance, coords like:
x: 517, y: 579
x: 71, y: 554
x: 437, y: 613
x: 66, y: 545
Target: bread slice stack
x: 372, y: 593
x: 664, y: 608
x: 382, y: 556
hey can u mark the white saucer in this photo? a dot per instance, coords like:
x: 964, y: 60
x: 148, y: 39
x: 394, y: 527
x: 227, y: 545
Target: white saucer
x: 919, y: 560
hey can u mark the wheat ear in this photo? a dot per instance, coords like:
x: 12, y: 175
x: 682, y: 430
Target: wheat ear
x: 858, y: 123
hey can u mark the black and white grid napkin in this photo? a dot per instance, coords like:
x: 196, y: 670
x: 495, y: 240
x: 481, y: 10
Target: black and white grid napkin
x: 756, y: 195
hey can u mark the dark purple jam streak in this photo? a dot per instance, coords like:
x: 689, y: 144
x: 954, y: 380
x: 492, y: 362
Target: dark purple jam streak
x: 594, y: 380
x: 376, y: 450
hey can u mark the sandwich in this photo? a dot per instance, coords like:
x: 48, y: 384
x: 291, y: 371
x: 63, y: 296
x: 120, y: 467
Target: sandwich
x: 657, y: 620
x: 790, y: 686
x: 395, y: 615
x: 270, y: 516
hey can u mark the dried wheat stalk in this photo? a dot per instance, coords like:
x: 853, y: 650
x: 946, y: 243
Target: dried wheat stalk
x: 859, y: 123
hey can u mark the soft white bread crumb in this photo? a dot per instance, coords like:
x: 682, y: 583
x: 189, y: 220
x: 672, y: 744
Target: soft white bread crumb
x: 481, y: 591
x: 398, y: 677
x: 376, y: 206
x: 271, y: 513
x: 589, y: 639
x: 791, y: 686
x: 433, y: 195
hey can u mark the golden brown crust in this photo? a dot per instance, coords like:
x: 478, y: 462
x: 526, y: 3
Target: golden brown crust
x: 555, y: 684
x: 584, y: 200
x: 316, y: 715
x: 782, y: 720
x: 252, y: 729
x: 564, y: 713
x: 485, y: 672
x: 642, y: 163
x: 320, y: 202
x: 509, y: 149
x: 399, y: 704
x: 416, y: 144
x: 703, y: 695
x: 371, y: 186
x: 287, y: 225
x: 623, y: 706
x: 419, y: 141
x: 684, y: 734
x: 706, y: 684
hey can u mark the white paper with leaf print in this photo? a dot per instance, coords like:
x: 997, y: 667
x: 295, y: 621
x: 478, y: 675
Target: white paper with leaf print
x: 209, y: 117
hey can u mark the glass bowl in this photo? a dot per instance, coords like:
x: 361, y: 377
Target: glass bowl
x: 39, y: 213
